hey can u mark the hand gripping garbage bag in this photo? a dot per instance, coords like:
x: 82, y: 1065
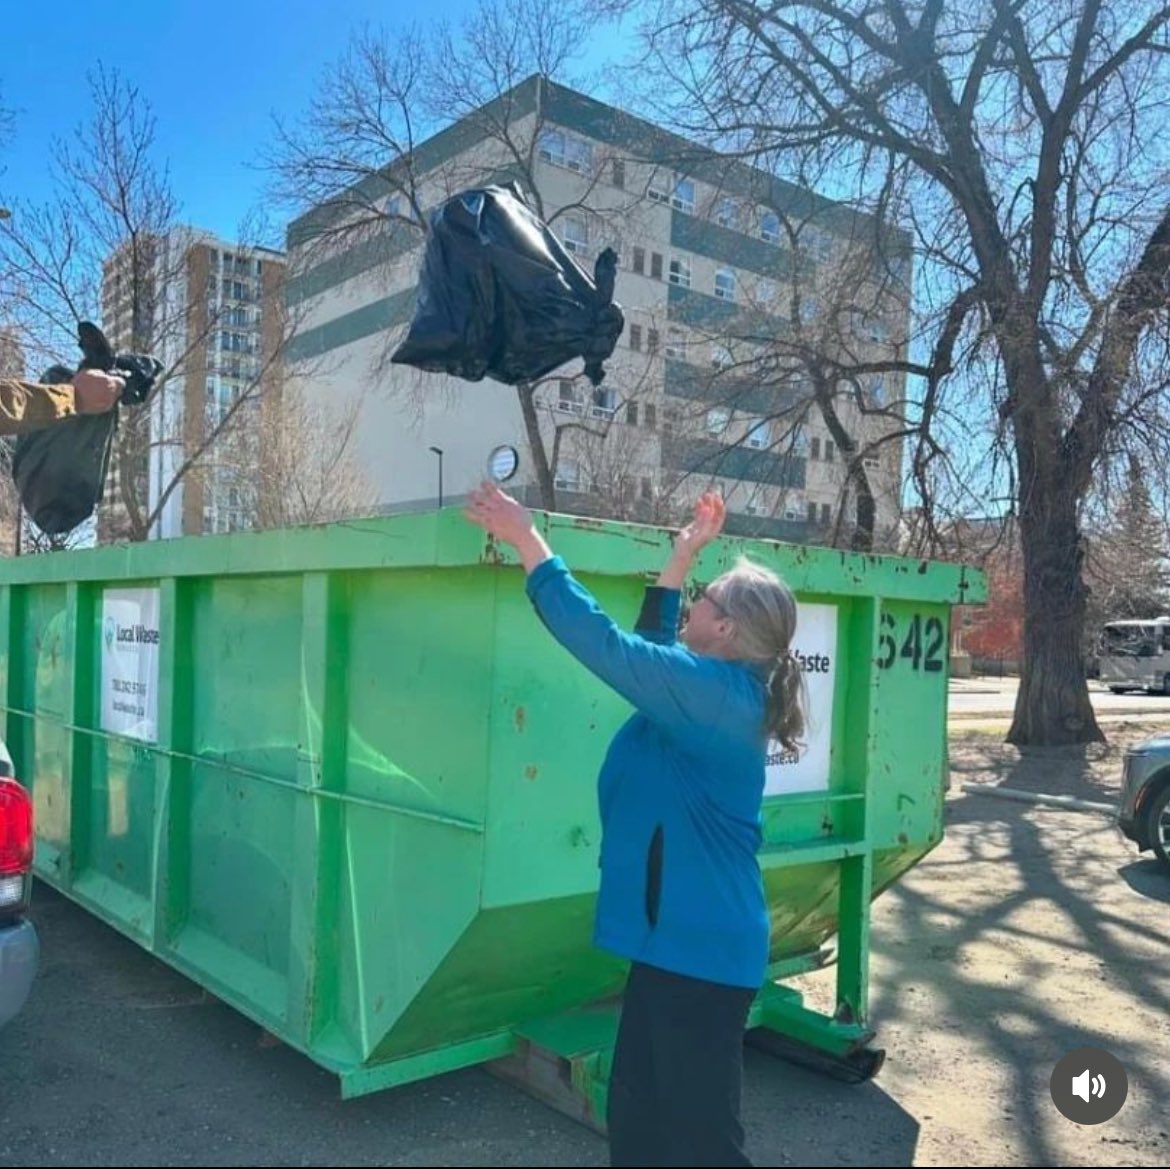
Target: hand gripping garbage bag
x: 499, y: 296
x: 60, y: 471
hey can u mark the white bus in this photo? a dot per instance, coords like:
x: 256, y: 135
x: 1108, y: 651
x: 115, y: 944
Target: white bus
x: 1135, y: 655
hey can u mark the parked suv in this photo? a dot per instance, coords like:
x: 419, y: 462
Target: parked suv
x: 19, y: 947
x: 1145, y: 796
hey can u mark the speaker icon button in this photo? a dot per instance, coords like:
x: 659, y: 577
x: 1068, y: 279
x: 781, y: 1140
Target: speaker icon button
x: 1089, y: 1086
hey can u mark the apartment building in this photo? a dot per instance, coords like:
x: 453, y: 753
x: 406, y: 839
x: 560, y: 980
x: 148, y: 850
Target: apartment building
x: 727, y: 276
x: 212, y: 312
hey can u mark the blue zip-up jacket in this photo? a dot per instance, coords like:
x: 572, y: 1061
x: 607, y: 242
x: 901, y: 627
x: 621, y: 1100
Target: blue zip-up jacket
x: 680, y: 790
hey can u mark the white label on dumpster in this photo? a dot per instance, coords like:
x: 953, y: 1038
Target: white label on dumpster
x: 130, y: 640
x: 815, y: 647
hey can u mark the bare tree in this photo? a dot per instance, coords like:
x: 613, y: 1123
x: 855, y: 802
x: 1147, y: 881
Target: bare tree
x: 308, y: 472
x: 354, y: 157
x: 1127, y: 559
x: 1015, y: 139
x: 112, y: 231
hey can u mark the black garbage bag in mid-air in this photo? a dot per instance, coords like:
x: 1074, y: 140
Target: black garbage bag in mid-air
x: 499, y: 296
x: 60, y: 471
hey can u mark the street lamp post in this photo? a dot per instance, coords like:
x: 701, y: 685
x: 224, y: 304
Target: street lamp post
x: 438, y: 451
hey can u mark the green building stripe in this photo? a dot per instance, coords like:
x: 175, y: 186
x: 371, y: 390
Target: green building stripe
x: 393, y: 240
x: 683, y: 380
x: 650, y: 143
x: 735, y: 248
x: 707, y: 457
x: 449, y: 142
x: 382, y: 314
x: 768, y: 528
x: 387, y: 246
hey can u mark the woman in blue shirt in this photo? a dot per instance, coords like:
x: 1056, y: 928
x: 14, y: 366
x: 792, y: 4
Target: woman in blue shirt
x: 680, y: 794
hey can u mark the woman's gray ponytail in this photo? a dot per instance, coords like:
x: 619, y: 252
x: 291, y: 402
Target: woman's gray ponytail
x: 784, y: 715
x: 764, y: 611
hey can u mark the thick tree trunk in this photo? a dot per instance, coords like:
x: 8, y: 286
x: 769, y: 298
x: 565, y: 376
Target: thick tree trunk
x: 1053, y: 706
x: 866, y: 512
x: 544, y: 475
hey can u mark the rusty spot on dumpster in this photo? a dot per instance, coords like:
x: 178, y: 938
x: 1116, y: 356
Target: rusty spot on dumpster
x: 521, y: 717
x: 903, y: 838
x: 530, y: 772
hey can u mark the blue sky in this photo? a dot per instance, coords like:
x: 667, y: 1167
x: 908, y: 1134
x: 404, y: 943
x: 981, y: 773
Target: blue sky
x: 215, y: 71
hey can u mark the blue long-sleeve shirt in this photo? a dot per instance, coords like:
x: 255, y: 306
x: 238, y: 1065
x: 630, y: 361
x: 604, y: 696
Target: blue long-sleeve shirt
x: 680, y: 790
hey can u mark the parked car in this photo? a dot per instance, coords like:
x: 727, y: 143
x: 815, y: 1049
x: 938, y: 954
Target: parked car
x: 19, y: 946
x: 1144, y: 815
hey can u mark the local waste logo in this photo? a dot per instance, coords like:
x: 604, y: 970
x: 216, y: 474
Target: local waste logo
x: 111, y: 632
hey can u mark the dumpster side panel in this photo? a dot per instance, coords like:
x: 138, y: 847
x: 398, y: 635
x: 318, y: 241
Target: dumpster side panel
x: 245, y: 644
x: 419, y: 685
x: 480, y: 988
x: 411, y: 890
x: 40, y: 742
x: 907, y: 750
x: 551, y: 724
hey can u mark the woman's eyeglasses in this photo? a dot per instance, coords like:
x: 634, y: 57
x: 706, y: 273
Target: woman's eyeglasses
x: 704, y: 594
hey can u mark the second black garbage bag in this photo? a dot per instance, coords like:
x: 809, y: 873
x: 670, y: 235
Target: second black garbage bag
x: 500, y: 297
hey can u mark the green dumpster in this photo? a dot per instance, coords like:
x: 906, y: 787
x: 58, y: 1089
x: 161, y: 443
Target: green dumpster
x: 342, y: 778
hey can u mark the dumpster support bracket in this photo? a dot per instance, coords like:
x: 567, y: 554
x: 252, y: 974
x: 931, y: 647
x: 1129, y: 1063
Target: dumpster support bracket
x: 565, y: 1061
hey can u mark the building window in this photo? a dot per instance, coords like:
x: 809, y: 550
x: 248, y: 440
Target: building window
x: 570, y: 400
x: 568, y: 477
x: 766, y: 293
x: 830, y: 450
x: 751, y: 509
x: 814, y: 449
x: 631, y: 413
x: 562, y: 149
x: 877, y: 391
x: 619, y: 173
x: 727, y: 213
x: 647, y: 488
x: 636, y: 337
x: 721, y: 356
x: 575, y: 235
x: 810, y: 309
x: 759, y: 436
x: 683, y: 198
x: 651, y: 416
x: 818, y: 242
x: 550, y: 146
x: 680, y: 272
x: 670, y: 420
x: 640, y: 260
x: 651, y: 340
x: 604, y: 404
x: 717, y: 420
x: 770, y: 227
x: 676, y: 347
x: 812, y: 512
x: 793, y: 508
x: 656, y: 189
x: 725, y: 284
x: 826, y: 514
x: 656, y: 265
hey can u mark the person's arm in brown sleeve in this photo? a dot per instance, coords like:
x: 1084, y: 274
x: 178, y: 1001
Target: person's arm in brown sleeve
x: 28, y: 406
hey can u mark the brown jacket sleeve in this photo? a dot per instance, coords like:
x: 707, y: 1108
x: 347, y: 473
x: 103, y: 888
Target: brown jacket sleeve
x: 32, y: 406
